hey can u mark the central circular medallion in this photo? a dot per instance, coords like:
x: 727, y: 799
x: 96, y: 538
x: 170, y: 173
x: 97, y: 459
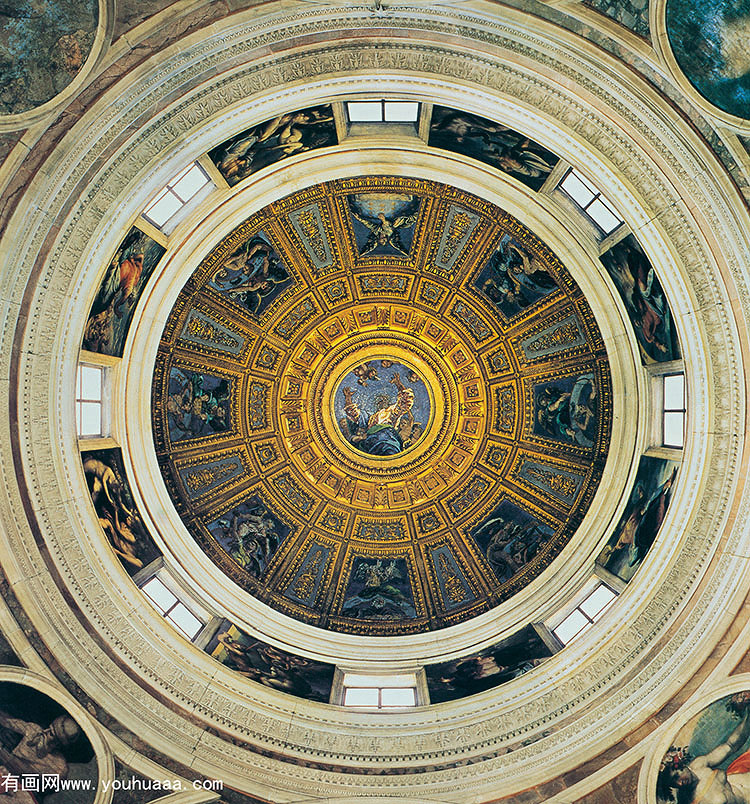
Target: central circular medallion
x: 395, y: 430
x: 382, y: 406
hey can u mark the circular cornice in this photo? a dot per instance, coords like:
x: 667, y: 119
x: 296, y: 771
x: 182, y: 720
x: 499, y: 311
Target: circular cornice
x: 271, y: 391
x: 213, y: 587
x: 623, y: 672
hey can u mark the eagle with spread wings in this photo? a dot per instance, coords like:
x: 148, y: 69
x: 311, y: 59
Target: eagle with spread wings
x: 384, y: 231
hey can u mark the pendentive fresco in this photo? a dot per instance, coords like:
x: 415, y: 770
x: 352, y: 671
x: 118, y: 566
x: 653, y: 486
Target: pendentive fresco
x: 709, y: 759
x: 43, y: 46
x: 43, y: 750
x: 709, y: 39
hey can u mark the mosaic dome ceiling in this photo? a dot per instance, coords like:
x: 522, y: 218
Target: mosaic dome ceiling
x: 381, y: 405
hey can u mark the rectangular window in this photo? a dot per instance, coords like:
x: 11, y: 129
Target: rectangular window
x: 400, y: 111
x: 184, y: 187
x: 382, y: 111
x: 674, y: 411
x: 380, y: 692
x: 172, y: 608
x: 365, y: 111
x: 585, y: 614
x: 89, y: 387
x: 590, y: 201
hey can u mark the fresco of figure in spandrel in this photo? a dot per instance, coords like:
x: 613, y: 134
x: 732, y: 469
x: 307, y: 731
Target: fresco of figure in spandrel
x: 118, y: 516
x: 493, y: 143
x: 266, y: 143
x: 253, y: 275
x: 382, y: 407
x: 645, y: 300
x: 501, y: 662
x: 271, y: 666
x: 119, y: 292
x: 642, y: 518
x: 709, y: 760
x: 40, y: 742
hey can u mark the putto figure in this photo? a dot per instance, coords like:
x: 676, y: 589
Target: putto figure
x: 253, y: 275
x: 379, y: 433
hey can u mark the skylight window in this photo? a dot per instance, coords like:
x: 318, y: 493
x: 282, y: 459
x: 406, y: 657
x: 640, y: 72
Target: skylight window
x: 172, y: 608
x: 585, y: 614
x: 178, y: 192
x: 89, y: 390
x: 674, y: 410
x: 382, y: 111
x: 380, y: 692
x: 590, y: 201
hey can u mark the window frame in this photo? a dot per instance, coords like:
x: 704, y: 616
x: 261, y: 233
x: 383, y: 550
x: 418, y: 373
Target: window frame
x: 416, y: 674
x: 383, y: 110
x: 596, y: 195
x: 80, y: 401
x: 380, y: 704
x: 656, y: 372
x: 156, y: 571
x: 166, y: 225
x: 665, y: 410
x: 587, y: 591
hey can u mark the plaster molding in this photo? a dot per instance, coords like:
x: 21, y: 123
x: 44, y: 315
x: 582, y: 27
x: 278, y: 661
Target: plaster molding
x: 622, y: 131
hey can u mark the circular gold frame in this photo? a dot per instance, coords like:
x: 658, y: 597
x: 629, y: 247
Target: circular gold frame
x: 384, y: 462
x: 438, y: 379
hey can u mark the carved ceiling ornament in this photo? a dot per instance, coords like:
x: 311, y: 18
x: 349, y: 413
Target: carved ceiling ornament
x: 383, y: 407
x: 524, y: 741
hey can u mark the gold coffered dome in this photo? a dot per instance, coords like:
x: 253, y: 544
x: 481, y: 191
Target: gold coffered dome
x: 382, y: 405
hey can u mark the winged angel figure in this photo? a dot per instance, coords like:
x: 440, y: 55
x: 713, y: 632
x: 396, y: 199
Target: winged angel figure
x: 384, y: 231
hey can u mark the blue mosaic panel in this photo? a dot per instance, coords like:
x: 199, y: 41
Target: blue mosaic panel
x: 513, y: 279
x: 308, y: 223
x: 509, y: 538
x: 198, y: 404
x: 567, y: 410
x: 251, y: 534
x: 383, y: 223
x: 253, y: 275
